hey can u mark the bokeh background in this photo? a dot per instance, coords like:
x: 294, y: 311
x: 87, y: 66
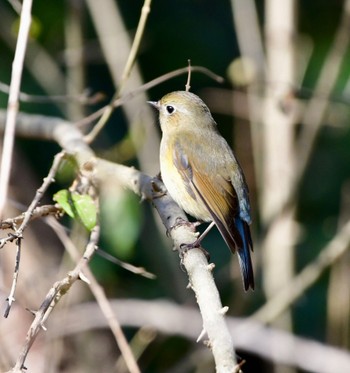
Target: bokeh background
x: 80, y: 47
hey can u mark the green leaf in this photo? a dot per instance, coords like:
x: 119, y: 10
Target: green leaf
x: 78, y: 206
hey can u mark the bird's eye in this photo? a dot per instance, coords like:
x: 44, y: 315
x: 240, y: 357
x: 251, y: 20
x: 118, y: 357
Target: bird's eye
x: 170, y: 109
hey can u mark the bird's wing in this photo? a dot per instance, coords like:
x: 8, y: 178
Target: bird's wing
x: 219, y: 196
x: 215, y: 191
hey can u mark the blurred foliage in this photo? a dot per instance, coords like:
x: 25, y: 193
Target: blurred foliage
x: 120, y: 222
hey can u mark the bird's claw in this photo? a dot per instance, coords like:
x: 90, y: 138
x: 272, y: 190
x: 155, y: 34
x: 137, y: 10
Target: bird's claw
x: 182, y: 222
x: 196, y: 244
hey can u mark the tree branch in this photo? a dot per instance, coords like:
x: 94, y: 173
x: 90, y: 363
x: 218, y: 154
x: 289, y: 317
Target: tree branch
x: 12, y: 107
x: 72, y: 141
x: 172, y: 319
x: 52, y: 298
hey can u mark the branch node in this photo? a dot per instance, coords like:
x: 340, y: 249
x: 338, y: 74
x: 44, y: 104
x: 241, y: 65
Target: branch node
x: 31, y: 311
x: 201, y: 335
x: 223, y: 310
x: 158, y: 187
x: 82, y: 277
x: 208, y: 344
x: 239, y: 366
x: 211, y: 267
x: 10, y: 299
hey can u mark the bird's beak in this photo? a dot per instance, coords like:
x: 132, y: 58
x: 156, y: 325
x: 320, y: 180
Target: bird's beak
x: 154, y: 104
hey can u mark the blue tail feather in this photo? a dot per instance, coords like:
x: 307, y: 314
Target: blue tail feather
x: 243, y: 252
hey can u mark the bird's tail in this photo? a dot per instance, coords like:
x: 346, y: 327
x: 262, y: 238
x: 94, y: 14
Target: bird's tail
x: 236, y: 233
x: 243, y: 252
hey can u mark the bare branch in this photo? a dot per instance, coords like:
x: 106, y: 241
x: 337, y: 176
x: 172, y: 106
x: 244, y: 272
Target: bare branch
x: 202, y: 283
x: 11, y: 297
x: 146, y: 8
x: 12, y: 108
x: 173, y: 319
x: 53, y: 297
x: 25, y: 218
x: 288, y: 294
x: 214, y: 320
x: 188, y: 84
x: 129, y: 267
x: 101, y: 299
x: 72, y: 141
x: 315, y: 111
x: 314, y: 114
x: 144, y: 87
x: 126, y: 73
x: 38, y: 212
x: 38, y: 195
x: 83, y: 98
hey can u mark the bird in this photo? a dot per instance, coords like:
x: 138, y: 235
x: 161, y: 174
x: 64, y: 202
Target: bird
x: 202, y: 175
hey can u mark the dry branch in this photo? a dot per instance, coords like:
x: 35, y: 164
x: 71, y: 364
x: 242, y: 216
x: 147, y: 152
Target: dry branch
x: 72, y: 141
x: 52, y: 298
x: 9, y: 133
x: 171, y: 319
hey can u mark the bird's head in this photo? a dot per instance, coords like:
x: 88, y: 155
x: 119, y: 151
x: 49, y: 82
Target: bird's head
x: 182, y: 110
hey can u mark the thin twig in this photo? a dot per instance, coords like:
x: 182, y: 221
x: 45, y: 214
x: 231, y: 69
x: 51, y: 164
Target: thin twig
x: 113, y: 322
x: 129, y: 267
x: 138, y: 343
x: 16, y: 5
x: 301, y: 282
x: 54, y: 296
x: 83, y: 98
x: 27, y: 216
x: 38, y: 212
x: 11, y: 297
x: 188, y: 86
x: 146, y: 8
x: 144, y: 87
x: 12, y: 107
x: 38, y: 195
x: 52, y: 222
x: 126, y: 73
x: 100, y: 298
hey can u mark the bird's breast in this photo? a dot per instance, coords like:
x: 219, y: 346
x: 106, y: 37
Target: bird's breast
x: 191, y: 203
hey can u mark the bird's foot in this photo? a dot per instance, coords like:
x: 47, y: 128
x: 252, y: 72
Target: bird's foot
x: 196, y: 244
x: 182, y: 222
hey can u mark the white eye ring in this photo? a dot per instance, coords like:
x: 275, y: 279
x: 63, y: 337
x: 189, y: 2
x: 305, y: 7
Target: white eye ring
x: 170, y: 109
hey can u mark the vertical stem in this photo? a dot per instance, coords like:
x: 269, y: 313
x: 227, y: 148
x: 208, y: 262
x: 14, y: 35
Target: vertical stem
x: 278, y: 125
x: 12, y: 106
x: 74, y: 56
x: 278, y: 152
